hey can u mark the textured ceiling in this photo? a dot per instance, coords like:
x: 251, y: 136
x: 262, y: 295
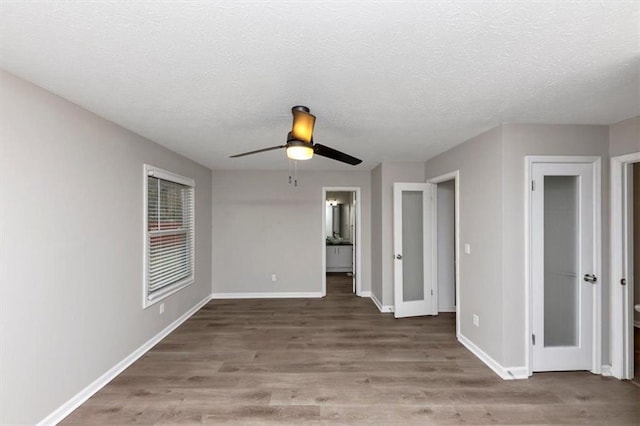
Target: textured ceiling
x: 387, y: 80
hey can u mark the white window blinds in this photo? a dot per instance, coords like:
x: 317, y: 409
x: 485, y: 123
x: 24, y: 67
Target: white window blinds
x: 169, y: 235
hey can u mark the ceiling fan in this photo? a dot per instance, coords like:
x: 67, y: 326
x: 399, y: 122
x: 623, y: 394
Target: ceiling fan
x: 300, y: 144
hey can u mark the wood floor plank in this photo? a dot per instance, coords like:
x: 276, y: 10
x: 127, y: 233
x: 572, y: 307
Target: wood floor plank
x: 365, y: 395
x: 337, y: 360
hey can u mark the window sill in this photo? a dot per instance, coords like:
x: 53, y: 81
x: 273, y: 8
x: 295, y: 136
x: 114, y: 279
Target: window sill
x: 166, y: 292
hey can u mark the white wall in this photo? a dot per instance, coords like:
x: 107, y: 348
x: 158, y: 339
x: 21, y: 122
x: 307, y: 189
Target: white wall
x: 446, y: 247
x: 71, y: 249
x: 480, y: 163
x: 264, y: 226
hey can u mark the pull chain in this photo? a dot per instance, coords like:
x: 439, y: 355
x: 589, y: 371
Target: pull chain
x: 293, y: 177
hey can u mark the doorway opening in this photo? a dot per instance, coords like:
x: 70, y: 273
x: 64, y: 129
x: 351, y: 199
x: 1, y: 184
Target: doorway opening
x: 446, y: 225
x: 341, y: 241
x: 625, y: 267
x: 447, y: 254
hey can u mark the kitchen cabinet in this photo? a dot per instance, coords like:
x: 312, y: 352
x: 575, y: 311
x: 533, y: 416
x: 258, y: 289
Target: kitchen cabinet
x: 339, y: 258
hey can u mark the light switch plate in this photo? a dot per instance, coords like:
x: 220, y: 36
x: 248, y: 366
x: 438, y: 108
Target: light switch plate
x: 467, y: 248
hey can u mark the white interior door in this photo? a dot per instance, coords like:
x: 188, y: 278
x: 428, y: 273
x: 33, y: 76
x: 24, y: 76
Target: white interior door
x: 414, y: 240
x: 563, y: 265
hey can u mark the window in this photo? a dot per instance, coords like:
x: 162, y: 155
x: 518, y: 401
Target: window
x: 169, y: 234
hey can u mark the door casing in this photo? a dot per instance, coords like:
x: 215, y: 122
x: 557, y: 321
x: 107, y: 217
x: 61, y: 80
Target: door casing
x: 596, y: 367
x: 621, y: 297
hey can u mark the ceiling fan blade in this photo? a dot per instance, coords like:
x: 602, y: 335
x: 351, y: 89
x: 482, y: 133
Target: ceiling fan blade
x: 257, y: 151
x: 334, y: 154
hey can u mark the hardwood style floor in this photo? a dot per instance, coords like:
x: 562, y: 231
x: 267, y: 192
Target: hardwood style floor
x: 338, y: 360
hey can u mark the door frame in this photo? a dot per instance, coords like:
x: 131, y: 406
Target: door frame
x: 621, y: 248
x: 358, y: 242
x: 529, y: 161
x: 455, y: 176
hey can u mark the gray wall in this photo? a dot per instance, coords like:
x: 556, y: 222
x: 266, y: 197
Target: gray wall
x: 376, y: 236
x: 521, y: 140
x: 71, y: 248
x: 480, y: 163
x: 624, y: 137
x: 264, y: 226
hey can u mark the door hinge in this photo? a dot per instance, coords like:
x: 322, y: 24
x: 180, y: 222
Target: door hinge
x: 533, y: 339
x: 533, y: 185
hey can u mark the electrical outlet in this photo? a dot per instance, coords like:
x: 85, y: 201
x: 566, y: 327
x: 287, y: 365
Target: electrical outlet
x: 161, y: 308
x: 274, y: 278
x: 476, y: 320
x: 467, y: 248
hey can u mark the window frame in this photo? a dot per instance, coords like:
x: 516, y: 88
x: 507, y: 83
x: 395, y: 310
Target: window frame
x: 151, y: 298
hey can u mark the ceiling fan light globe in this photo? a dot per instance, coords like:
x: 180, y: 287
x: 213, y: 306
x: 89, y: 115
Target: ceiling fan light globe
x: 300, y: 152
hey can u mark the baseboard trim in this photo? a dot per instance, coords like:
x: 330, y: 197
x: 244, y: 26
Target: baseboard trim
x: 517, y: 373
x: 376, y: 302
x: 271, y: 295
x: 506, y: 373
x: 449, y: 309
x: 365, y: 294
x: 65, y: 409
x: 382, y: 308
x: 605, y: 370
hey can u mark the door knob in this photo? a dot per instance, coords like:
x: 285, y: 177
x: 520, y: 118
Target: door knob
x: 590, y: 278
x: 398, y: 256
